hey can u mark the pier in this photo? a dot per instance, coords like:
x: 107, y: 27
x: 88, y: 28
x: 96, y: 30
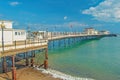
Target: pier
x: 27, y: 45
x: 30, y: 45
x: 69, y: 38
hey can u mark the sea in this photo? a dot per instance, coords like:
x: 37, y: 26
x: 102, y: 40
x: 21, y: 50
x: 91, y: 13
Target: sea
x: 94, y: 59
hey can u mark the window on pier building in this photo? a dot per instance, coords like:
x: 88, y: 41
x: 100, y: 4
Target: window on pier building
x: 19, y: 33
x: 15, y: 33
x: 22, y: 33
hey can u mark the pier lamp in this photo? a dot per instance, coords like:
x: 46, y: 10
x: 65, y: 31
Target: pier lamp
x: 47, y: 32
x: 2, y: 28
x: 4, y: 59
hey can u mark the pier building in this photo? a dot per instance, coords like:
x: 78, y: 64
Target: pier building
x: 11, y: 35
x: 13, y: 42
x: 104, y: 32
x: 90, y: 31
x: 40, y: 34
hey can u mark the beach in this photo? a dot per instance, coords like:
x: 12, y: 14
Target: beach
x: 27, y: 74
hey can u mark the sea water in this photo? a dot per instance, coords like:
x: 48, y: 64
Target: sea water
x: 95, y: 59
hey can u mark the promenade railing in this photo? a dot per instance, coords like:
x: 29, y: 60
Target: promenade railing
x: 9, y: 45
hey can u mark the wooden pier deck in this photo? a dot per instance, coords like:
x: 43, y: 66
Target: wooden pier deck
x: 24, y: 47
x: 40, y: 44
x: 57, y: 37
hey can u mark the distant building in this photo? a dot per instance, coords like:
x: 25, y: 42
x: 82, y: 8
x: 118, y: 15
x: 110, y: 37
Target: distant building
x: 39, y: 35
x: 104, y: 32
x: 90, y: 31
x: 10, y: 35
x: 49, y: 34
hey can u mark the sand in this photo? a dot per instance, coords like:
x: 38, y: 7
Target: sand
x: 27, y: 74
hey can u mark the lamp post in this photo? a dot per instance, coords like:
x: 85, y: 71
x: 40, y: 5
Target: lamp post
x: 4, y: 59
x: 2, y: 28
x: 47, y: 33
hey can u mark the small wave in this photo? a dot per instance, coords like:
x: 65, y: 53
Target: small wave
x: 60, y: 75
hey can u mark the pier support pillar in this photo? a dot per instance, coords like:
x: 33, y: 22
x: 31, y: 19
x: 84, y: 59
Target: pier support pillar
x: 46, y: 59
x: 27, y: 60
x: 32, y: 62
x: 13, y: 68
x: 59, y: 43
x: 46, y: 64
x: 53, y: 44
x: 68, y: 41
x: 64, y: 43
x: 32, y: 59
x: 46, y: 53
x: 72, y: 40
x: 34, y: 53
x: 4, y: 65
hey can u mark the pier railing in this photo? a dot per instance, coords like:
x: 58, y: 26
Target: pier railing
x: 33, y: 43
x: 17, y: 45
x: 59, y: 35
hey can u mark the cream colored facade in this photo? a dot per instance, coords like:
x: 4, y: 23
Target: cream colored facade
x: 10, y: 35
x: 91, y: 31
x: 40, y: 35
x: 104, y: 32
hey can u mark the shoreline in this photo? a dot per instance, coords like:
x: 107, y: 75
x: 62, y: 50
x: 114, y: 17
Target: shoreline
x: 34, y: 73
x: 28, y: 74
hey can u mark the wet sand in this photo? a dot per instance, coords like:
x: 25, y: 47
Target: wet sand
x: 27, y: 74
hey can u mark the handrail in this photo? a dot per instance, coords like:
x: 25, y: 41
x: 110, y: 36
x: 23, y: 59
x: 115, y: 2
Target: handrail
x: 24, y: 44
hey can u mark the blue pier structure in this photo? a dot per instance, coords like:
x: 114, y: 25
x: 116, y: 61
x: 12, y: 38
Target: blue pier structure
x: 68, y: 39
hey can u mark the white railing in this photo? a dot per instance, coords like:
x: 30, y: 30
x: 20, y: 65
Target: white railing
x: 58, y: 35
x: 23, y: 44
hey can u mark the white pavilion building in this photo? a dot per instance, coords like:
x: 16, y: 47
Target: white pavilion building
x: 10, y: 35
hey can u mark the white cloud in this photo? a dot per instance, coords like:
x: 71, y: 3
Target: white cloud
x: 108, y: 10
x: 14, y: 3
x: 65, y: 17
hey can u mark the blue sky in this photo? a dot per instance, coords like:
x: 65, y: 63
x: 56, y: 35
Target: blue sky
x: 42, y: 14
